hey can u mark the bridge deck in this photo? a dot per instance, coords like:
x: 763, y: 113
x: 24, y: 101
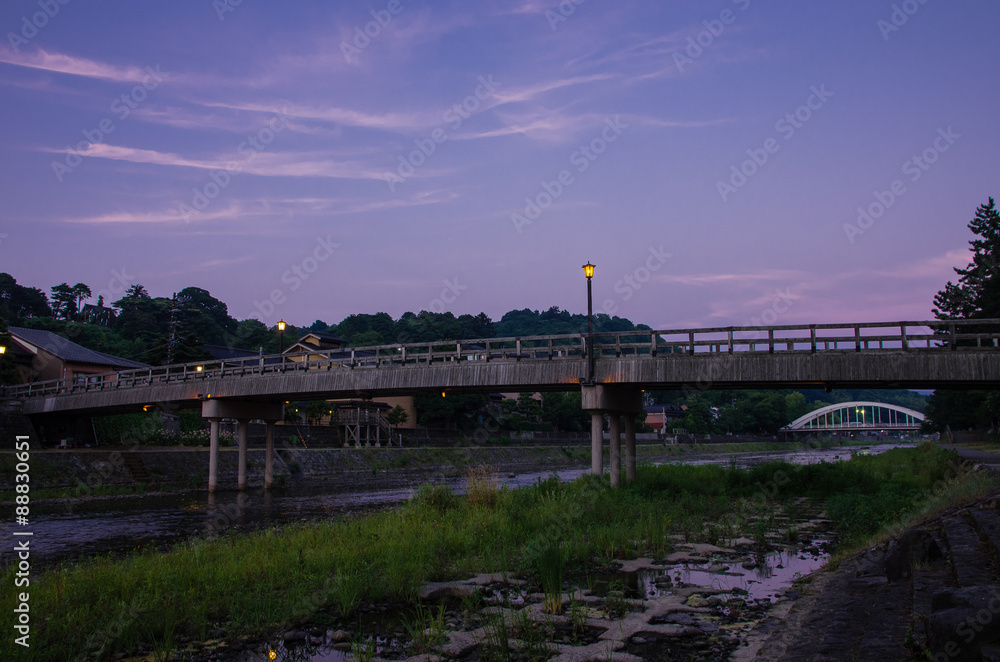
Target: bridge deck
x: 887, y: 354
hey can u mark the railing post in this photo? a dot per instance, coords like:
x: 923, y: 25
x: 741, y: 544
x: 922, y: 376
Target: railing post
x: 652, y: 344
x: 902, y: 336
x: 952, y: 331
x: 812, y: 337
x: 691, y: 342
x: 857, y: 338
x: 487, y: 350
x: 730, y: 340
x: 770, y: 341
x: 403, y: 348
x: 517, y: 343
x: 458, y: 357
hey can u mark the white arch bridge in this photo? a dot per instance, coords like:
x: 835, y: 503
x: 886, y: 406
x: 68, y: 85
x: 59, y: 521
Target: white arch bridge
x: 858, y: 416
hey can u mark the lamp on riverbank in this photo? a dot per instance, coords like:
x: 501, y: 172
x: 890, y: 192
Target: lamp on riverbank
x: 281, y: 336
x: 588, y: 271
x: 3, y: 350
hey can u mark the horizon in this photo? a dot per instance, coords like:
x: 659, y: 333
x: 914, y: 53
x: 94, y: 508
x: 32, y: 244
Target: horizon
x: 718, y: 162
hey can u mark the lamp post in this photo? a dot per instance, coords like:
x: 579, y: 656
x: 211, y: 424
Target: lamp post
x: 281, y: 336
x: 3, y: 350
x: 588, y: 271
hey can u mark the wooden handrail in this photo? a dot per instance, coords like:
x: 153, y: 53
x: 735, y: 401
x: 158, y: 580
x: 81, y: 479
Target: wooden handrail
x: 660, y: 344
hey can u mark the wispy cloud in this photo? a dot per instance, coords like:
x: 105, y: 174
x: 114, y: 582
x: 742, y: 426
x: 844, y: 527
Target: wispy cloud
x: 265, y: 164
x: 698, y: 280
x: 75, y: 66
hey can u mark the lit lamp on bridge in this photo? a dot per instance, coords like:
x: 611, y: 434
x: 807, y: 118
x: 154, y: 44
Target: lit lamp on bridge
x: 281, y: 336
x: 3, y: 350
x: 588, y: 271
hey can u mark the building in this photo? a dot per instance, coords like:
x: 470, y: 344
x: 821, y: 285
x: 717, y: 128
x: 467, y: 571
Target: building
x: 42, y: 355
x: 662, y: 417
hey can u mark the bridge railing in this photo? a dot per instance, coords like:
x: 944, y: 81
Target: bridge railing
x: 958, y: 335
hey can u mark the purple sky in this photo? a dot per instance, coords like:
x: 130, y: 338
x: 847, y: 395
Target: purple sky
x: 121, y: 119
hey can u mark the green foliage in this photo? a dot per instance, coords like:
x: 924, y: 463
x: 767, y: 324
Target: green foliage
x: 462, y: 410
x: 396, y: 416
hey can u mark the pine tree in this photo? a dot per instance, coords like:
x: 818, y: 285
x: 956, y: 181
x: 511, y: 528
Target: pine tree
x: 977, y: 293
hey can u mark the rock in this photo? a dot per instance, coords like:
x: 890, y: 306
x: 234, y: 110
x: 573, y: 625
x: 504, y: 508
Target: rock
x: 872, y: 564
x: 749, y: 564
x: 697, y: 601
x: 913, y: 547
x: 638, y: 640
x: 442, y: 591
x: 343, y: 646
x: 294, y: 635
x: 340, y: 636
x: 963, y: 623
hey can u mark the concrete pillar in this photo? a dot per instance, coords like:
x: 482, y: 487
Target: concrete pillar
x: 269, y: 455
x: 244, y: 427
x: 596, y: 443
x: 213, y: 453
x: 629, y: 449
x: 615, y: 432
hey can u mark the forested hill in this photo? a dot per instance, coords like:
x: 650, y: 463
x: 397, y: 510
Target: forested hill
x: 138, y: 325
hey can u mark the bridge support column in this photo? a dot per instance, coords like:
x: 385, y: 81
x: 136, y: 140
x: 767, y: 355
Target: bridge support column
x: 213, y: 453
x: 629, y: 449
x: 617, y: 401
x: 597, y: 443
x: 243, y: 411
x: 615, y: 434
x: 242, y: 438
x: 269, y: 455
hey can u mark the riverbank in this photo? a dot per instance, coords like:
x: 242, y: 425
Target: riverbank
x: 300, y: 579
x: 117, y: 473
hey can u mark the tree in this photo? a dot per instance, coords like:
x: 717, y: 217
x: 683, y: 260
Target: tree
x: 81, y: 292
x: 975, y: 295
x: 397, y: 416
x: 18, y: 302
x: 64, y: 300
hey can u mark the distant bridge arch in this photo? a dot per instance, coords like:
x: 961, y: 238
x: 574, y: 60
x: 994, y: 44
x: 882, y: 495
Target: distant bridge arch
x: 859, y: 416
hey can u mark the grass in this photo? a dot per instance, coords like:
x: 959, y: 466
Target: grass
x: 254, y: 584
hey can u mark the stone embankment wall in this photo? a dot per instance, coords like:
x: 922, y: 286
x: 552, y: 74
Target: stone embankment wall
x: 189, y: 467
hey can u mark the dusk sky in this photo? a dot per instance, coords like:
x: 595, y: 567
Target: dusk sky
x: 398, y: 155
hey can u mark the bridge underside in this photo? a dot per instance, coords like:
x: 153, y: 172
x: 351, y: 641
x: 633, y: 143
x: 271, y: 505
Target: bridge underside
x: 781, y: 370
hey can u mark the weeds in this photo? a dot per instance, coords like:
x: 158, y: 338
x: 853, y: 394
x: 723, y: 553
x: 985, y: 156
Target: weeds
x: 426, y: 629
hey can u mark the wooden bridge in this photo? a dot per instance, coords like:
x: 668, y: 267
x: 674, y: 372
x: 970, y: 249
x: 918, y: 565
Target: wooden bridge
x: 908, y: 354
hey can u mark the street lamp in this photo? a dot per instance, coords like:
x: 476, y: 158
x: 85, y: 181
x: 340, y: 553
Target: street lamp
x: 281, y: 336
x: 588, y: 271
x: 3, y: 350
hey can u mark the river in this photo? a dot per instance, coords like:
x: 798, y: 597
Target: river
x: 69, y: 531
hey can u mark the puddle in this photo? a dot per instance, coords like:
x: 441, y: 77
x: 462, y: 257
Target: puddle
x: 767, y: 582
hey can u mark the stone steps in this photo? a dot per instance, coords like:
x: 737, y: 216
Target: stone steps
x: 988, y: 523
x: 967, y: 555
